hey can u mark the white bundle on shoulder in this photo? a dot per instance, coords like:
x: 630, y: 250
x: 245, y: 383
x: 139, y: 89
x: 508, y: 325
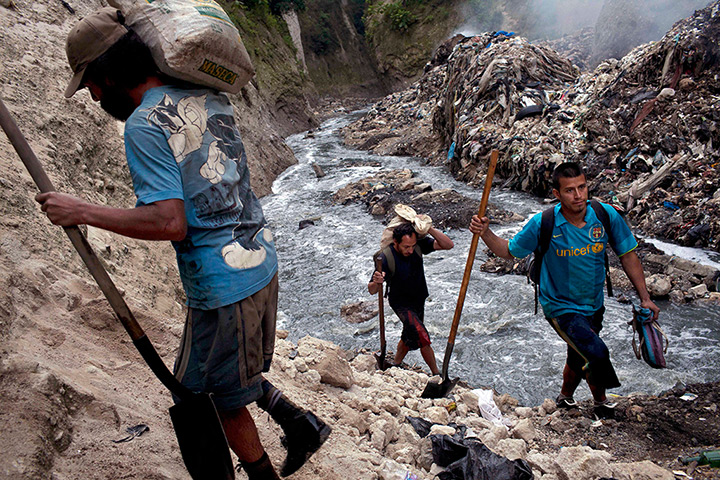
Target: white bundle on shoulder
x: 405, y: 214
x: 192, y: 40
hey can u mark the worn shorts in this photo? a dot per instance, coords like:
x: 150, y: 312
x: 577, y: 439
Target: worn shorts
x: 414, y: 334
x: 587, y: 354
x: 226, y: 350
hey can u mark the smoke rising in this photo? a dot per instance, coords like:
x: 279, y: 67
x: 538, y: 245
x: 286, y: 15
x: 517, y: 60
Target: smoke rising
x: 549, y: 19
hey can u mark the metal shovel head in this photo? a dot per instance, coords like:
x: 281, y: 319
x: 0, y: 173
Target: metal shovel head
x: 202, y: 440
x: 382, y: 364
x: 439, y: 390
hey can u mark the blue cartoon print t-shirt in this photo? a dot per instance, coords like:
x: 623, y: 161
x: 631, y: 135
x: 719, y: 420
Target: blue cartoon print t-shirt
x: 184, y: 144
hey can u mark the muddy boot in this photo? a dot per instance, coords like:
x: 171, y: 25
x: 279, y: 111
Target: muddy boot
x: 261, y: 469
x: 304, y: 432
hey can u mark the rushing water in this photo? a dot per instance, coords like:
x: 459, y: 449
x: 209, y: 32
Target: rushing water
x: 500, y: 342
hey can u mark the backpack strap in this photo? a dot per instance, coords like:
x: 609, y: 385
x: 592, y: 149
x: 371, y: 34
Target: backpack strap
x: 604, y: 218
x: 547, y: 223
x: 390, y: 259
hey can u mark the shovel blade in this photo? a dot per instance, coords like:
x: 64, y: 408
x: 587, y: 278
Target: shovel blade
x: 439, y: 390
x: 382, y: 364
x: 201, y: 438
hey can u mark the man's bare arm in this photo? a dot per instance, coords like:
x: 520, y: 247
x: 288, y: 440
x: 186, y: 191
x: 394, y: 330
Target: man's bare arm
x: 497, y: 245
x: 163, y: 220
x: 442, y: 241
x: 634, y: 270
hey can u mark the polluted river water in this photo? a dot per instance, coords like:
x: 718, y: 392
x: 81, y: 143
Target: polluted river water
x: 500, y: 343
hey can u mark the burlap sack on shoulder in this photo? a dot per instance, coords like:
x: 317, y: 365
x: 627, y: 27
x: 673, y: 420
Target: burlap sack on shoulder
x: 193, y: 40
x: 405, y: 214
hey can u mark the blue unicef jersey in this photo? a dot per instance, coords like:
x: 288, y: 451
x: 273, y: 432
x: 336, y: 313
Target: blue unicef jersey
x: 183, y: 144
x: 573, y: 270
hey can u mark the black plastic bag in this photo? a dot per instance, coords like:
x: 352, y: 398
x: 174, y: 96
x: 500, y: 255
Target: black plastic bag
x: 446, y: 450
x: 421, y: 426
x: 471, y: 460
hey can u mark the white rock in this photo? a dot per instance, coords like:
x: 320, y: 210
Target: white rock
x: 478, y: 423
x: 659, y: 285
x: 549, y: 406
x: 580, y: 463
x: 524, y: 412
x: 390, y: 470
x: 435, y: 470
x: 525, y: 430
x: 645, y: 470
x: 436, y: 415
x: 334, y: 370
x: 412, y: 403
x: 402, y: 452
x: 540, y: 461
x: 425, y: 458
x: 442, y: 430
x: 471, y: 400
x: 511, y: 448
x: 549, y: 476
x: 489, y: 439
x: 699, y: 290
x: 407, y: 434
x: 300, y: 365
x: 311, y: 379
x: 390, y: 405
x: 665, y: 93
x: 424, y: 403
x: 364, y: 363
x: 378, y: 438
x: 499, y: 431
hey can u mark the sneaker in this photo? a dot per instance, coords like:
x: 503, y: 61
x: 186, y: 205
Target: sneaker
x: 605, y: 410
x: 566, y: 402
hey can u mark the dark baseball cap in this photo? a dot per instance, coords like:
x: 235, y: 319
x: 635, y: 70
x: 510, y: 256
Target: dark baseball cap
x: 90, y: 38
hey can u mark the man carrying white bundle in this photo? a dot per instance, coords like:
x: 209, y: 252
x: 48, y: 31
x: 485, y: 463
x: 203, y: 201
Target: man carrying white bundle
x: 402, y: 269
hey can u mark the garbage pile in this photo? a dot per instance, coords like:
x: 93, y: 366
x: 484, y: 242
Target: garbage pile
x: 645, y: 127
x: 653, y: 133
x: 401, y: 123
x: 499, y: 94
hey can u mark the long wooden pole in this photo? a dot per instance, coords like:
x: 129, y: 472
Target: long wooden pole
x: 468, y: 266
x: 121, y: 309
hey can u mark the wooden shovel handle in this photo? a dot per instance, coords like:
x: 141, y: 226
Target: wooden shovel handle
x: 91, y: 260
x: 469, y: 264
x: 381, y: 309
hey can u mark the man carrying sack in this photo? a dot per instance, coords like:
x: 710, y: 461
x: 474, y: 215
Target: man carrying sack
x: 191, y: 179
x: 402, y: 268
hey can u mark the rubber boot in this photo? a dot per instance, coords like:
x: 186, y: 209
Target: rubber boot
x: 304, y: 432
x: 261, y: 469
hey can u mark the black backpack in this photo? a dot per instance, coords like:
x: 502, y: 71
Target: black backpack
x: 547, y: 223
x: 390, y: 258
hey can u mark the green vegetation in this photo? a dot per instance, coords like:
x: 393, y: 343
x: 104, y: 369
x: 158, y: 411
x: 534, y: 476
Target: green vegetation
x: 276, y: 6
x: 320, y: 35
x: 400, y: 17
x: 268, y: 42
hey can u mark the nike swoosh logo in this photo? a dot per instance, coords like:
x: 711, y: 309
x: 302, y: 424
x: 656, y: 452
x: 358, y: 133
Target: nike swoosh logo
x: 556, y: 236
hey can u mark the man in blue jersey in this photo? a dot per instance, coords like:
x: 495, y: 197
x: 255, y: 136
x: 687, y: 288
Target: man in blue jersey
x: 192, y: 184
x: 572, y: 279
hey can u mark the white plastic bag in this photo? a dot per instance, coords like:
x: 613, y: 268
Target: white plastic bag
x: 193, y: 40
x: 488, y: 408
